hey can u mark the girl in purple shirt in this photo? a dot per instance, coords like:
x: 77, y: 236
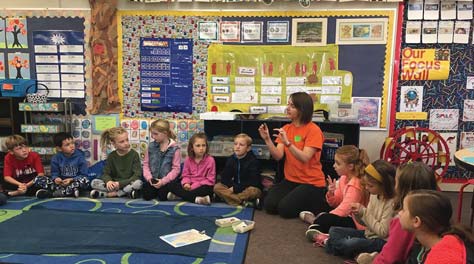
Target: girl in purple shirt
x: 199, y: 173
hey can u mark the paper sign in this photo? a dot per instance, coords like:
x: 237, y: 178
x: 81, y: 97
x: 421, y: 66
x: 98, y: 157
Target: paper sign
x: 103, y: 122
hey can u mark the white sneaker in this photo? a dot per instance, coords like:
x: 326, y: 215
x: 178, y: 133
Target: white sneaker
x: 172, y: 197
x: 204, y: 200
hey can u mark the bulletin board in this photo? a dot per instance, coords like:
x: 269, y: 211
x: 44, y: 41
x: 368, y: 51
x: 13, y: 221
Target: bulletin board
x: 48, y: 48
x: 444, y: 94
x: 368, y: 64
x: 72, y: 25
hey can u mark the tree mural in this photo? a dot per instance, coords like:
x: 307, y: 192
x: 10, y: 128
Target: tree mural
x: 18, y: 64
x: 15, y: 26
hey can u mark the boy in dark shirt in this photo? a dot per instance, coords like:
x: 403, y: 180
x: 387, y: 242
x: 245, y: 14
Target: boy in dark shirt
x: 68, y: 170
x: 240, y: 179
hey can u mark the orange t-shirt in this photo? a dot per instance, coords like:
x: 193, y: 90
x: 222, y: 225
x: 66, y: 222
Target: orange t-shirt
x: 308, y: 135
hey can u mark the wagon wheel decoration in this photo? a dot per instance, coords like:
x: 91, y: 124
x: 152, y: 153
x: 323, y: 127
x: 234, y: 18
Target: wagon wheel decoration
x: 417, y: 144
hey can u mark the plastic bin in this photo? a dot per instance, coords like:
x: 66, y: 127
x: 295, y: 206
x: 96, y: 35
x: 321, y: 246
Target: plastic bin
x: 16, y: 87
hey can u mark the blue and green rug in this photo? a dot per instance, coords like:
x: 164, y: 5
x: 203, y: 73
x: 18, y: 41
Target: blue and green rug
x: 131, y: 229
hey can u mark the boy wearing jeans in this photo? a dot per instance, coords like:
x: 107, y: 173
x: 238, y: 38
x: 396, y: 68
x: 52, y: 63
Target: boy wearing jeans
x: 21, y: 167
x: 240, y: 179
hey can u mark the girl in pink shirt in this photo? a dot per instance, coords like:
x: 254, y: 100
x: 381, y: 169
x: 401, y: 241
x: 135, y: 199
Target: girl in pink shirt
x: 427, y: 214
x: 349, y: 163
x: 199, y: 173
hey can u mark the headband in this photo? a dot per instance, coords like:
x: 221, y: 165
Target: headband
x: 370, y: 169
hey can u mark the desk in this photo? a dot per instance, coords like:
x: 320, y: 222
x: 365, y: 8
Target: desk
x: 465, y: 158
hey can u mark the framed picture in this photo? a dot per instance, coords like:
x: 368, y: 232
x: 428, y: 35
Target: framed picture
x: 207, y: 30
x: 309, y: 32
x: 361, y: 31
x: 369, y: 111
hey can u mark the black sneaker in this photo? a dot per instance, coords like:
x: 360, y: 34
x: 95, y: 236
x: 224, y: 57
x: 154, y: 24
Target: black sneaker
x: 43, y: 193
x: 135, y: 194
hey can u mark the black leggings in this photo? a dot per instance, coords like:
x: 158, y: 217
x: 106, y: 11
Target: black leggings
x: 327, y: 220
x: 288, y: 199
x: 176, y: 188
x: 150, y: 192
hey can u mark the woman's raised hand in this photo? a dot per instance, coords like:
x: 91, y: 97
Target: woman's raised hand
x: 263, y: 131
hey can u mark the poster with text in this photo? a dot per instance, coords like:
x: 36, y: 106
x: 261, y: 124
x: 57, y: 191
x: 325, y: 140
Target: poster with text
x: 60, y: 63
x: 166, y: 74
x: 425, y: 64
x: 444, y: 119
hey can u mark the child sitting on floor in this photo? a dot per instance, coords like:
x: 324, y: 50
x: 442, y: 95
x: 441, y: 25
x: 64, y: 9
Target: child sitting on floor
x: 379, y: 180
x: 68, y: 170
x: 349, y: 164
x: 122, y: 170
x: 240, y: 179
x: 199, y: 173
x: 162, y: 162
x: 427, y: 214
x: 21, y: 166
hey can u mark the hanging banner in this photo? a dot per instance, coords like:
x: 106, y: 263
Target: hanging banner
x: 425, y: 64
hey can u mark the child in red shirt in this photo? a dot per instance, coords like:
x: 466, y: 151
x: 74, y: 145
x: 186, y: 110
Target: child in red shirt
x: 21, y: 166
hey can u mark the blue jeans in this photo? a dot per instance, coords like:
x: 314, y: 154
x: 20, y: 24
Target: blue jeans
x: 349, y: 242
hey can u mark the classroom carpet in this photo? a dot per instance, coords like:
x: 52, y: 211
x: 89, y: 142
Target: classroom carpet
x: 137, y: 225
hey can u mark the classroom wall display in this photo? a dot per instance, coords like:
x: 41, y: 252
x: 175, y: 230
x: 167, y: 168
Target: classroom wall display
x: 369, y: 111
x: 370, y: 65
x: 242, y: 77
x: 59, y: 56
x: 443, y: 99
x: 67, y: 70
x: 361, y: 31
x: 166, y: 75
x: 425, y: 64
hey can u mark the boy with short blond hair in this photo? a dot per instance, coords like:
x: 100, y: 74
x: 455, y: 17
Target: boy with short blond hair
x: 21, y: 167
x: 68, y: 170
x: 240, y: 179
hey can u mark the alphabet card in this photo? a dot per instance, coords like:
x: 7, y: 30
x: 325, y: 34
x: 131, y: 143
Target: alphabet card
x: 413, y: 32
x: 465, y: 8
x: 430, y: 31
x: 415, y: 9
x: 445, y: 31
x: 461, y: 32
x: 448, y: 9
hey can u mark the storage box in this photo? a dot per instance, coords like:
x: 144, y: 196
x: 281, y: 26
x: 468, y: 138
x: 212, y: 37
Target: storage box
x: 16, y: 87
x: 261, y: 151
x: 44, y: 150
x: 26, y: 128
x: 45, y: 107
x: 221, y: 148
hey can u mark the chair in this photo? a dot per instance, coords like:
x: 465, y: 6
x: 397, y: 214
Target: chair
x: 461, y: 192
